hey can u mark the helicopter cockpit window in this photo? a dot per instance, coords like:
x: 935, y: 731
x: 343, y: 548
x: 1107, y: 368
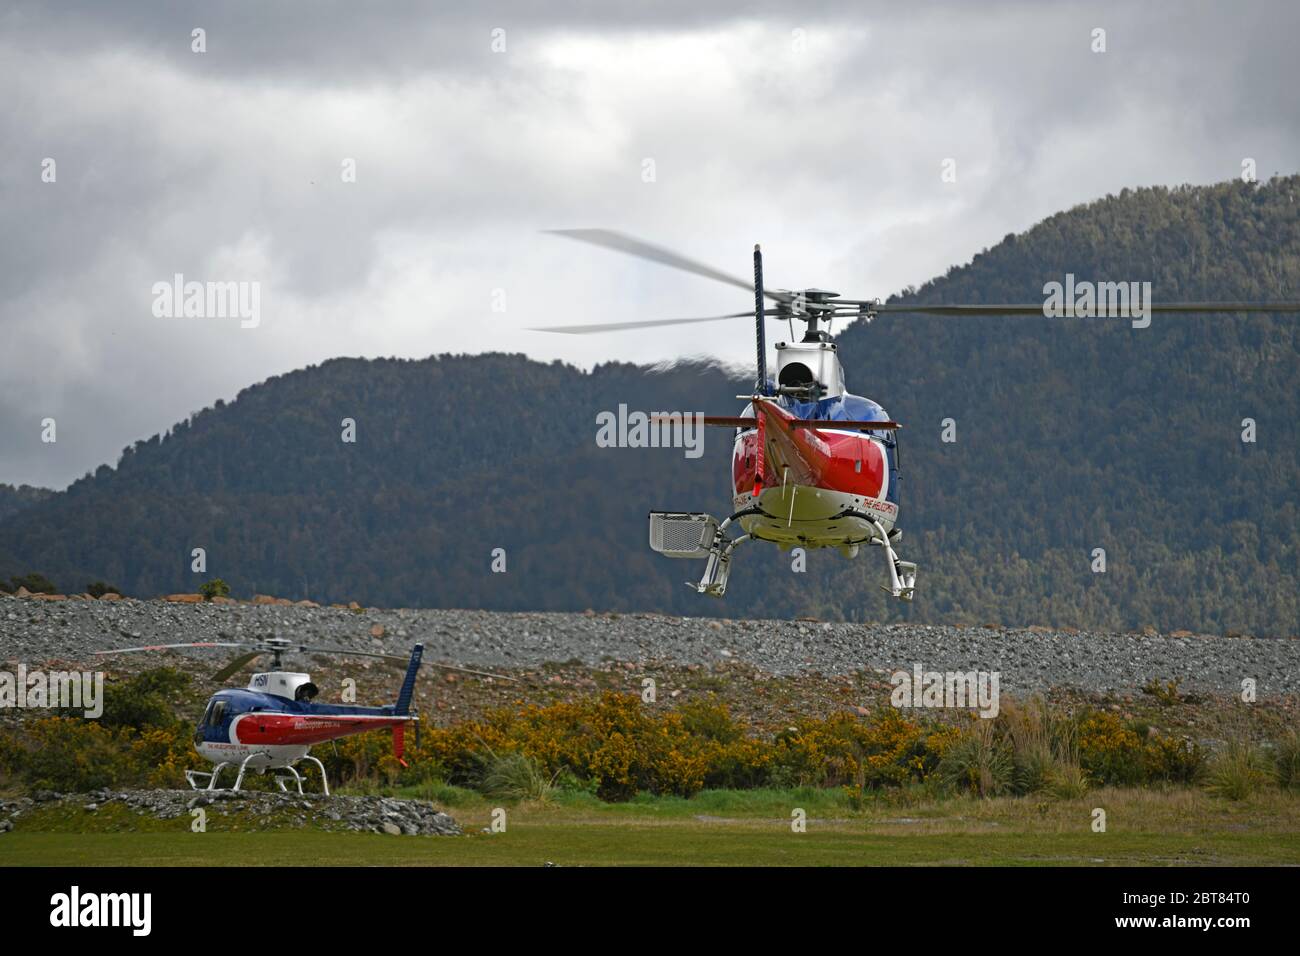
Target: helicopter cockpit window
x: 215, y: 714
x: 796, y: 375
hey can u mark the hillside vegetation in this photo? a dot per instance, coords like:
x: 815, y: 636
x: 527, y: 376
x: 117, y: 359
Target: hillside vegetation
x: 1072, y: 435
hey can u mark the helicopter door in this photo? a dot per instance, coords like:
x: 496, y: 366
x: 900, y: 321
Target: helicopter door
x: 203, y: 722
x: 212, y: 717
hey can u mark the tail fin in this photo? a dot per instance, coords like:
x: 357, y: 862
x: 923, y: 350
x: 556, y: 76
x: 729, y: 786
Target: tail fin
x: 399, y: 743
x: 403, y: 705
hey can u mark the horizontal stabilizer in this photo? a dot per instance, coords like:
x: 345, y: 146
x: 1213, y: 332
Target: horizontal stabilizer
x: 850, y: 425
x: 724, y: 421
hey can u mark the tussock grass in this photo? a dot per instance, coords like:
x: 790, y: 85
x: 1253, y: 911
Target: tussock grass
x: 1240, y: 770
x: 513, y: 776
x: 1286, y: 759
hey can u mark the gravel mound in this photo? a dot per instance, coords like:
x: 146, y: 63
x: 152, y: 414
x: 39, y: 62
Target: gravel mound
x: 255, y: 810
x: 1028, y: 660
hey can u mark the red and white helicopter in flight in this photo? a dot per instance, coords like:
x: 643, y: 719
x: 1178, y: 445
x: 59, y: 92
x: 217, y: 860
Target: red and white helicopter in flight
x: 813, y: 465
x: 273, y: 723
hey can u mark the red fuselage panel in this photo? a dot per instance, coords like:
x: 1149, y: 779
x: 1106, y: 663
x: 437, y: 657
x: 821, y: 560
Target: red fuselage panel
x: 821, y: 458
x: 291, y: 729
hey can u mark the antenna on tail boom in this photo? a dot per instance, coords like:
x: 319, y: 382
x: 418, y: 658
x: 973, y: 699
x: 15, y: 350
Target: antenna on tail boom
x: 760, y: 387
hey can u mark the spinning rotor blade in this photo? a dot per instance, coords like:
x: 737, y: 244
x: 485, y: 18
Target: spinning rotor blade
x: 1037, y: 309
x: 666, y: 257
x: 237, y: 665
x: 647, y: 324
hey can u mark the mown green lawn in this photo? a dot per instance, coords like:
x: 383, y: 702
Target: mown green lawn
x: 634, y: 843
x: 718, y: 829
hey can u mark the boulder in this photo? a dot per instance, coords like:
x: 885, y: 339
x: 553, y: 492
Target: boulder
x: 184, y: 598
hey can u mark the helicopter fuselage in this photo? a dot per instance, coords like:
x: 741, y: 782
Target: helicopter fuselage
x: 818, y: 486
x: 272, y: 732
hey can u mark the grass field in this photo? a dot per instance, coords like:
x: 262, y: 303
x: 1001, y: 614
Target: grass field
x: 1176, y: 827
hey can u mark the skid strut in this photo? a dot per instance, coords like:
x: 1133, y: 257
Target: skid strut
x: 207, y: 780
x: 902, y: 574
x: 717, y: 569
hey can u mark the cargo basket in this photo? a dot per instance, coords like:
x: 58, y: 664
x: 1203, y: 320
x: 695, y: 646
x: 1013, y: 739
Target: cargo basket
x: 682, y: 534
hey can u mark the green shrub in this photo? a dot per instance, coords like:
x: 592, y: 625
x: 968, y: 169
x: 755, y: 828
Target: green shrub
x: 1110, y: 751
x: 214, y: 589
x: 1165, y: 693
x: 1172, y: 760
x: 35, y: 583
x: 143, y: 701
x: 70, y: 754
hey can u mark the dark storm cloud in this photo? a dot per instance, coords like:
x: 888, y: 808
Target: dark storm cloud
x: 226, y: 165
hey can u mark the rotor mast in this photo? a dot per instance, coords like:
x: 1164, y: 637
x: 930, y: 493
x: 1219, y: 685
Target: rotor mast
x: 760, y: 386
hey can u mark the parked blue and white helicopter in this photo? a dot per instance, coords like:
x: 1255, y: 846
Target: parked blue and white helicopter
x: 273, y: 723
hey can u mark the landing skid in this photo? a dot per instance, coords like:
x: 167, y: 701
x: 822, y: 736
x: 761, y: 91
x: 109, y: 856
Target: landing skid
x: 696, y: 535
x: 207, y: 780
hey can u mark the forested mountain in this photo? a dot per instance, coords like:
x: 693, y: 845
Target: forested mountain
x: 1072, y: 435
x: 15, y: 498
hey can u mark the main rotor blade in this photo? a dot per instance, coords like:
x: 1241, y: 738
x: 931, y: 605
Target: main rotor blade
x: 1037, y: 308
x: 666, y: 257
x: 470, y: 670
x: 167, y: 647
x: 304, y: 649
x: 398, y: 658
x: 647, y: 324
x: 238, y: 664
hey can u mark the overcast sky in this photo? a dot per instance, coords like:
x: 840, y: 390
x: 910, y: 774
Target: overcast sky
x: 818, y: 129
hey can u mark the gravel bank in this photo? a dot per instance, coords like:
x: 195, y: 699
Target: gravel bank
x: 34, y: 632
x: 253, y: 810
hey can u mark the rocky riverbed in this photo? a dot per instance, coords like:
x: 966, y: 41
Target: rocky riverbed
x: 243, y: 810
x: 36, y: 632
